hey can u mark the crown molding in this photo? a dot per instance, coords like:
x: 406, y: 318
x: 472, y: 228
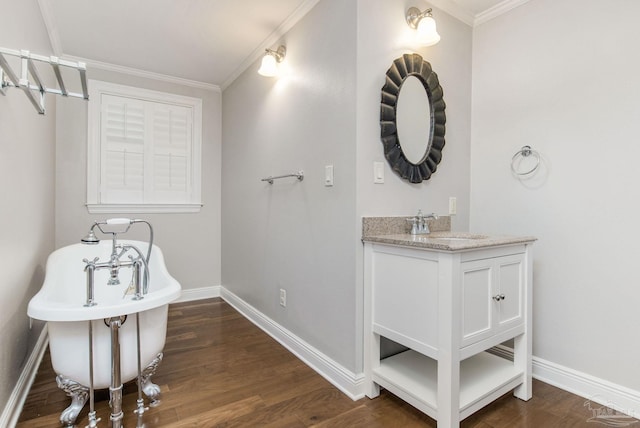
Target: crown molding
x: 465, y: 15
x: 143, y: 73
x: 271, y: 40
x: 497, y: 10
x: 455, y: 10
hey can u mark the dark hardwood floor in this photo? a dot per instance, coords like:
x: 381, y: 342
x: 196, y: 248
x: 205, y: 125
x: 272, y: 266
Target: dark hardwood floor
x: 219, y: 370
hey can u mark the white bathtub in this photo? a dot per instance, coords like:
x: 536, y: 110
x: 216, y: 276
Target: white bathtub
x: 61, y: 301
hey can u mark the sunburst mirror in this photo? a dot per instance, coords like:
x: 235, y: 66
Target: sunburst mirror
x: 412, y: 118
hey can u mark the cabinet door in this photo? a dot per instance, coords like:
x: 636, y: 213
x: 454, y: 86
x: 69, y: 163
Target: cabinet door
x: 477, y: 285
x: 510, y: 283
x: 492, y: 292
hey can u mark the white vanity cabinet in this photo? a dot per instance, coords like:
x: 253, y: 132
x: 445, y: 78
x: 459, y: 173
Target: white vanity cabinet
x: 448, y: 304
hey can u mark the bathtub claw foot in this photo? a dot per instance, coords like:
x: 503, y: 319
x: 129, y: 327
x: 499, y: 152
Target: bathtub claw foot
x: 149, y: 388
x: 79, y: 395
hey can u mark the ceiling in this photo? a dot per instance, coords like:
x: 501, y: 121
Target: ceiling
x: 202, y: 42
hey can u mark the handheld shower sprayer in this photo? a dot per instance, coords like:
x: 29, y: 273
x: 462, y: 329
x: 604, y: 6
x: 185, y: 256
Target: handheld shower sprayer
x: 90, y: 238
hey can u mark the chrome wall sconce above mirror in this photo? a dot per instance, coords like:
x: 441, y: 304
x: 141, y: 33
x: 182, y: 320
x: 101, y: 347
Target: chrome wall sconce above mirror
x: 412, y: 118
x: 424, y: 24
x: 270, y: 61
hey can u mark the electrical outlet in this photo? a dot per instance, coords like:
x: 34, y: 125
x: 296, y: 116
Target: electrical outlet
x: 283, y: 297
x: 453, y: 205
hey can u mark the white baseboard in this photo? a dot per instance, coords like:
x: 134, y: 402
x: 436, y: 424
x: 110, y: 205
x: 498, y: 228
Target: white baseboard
x: 593, y: 389
x: 13, y: 408
x: 198, y: 294
x: 349, y: 383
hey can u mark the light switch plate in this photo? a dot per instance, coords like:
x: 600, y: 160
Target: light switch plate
x: 378, y: 172
x: 328, y: 175
x: 453, y: 205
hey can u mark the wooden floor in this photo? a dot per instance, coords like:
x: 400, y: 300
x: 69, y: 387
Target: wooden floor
x: 219, y: 370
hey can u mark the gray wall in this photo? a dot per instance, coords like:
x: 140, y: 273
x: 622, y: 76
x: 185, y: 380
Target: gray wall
x: 545, y: 75
x: 296, y: 235
x: 190, y: 242
x: 305, y: 237
x: 27, y: 147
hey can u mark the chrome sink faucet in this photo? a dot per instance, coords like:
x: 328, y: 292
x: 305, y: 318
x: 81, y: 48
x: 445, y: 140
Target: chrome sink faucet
x: 419, y: 225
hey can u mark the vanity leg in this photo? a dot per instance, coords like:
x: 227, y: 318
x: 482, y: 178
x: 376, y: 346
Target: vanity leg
x: 522, y: 346
x: 522, y: 361
x: 448, y: 392
x: 371, y: 340
x: 371, y: 362
x: 449, y: 327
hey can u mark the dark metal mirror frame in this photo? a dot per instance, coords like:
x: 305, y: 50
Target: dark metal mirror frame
x: 403, y: 67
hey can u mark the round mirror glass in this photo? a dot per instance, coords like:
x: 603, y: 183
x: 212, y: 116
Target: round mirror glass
x: 413, y: 120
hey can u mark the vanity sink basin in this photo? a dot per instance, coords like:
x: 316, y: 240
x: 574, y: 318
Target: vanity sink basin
x: 454, y: 238
x: 448, y: 236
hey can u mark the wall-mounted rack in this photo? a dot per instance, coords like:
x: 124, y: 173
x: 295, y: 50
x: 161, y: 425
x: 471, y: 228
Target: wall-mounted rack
x: 31, y: 83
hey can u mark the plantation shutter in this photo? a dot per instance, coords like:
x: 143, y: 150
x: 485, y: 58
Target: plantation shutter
x: 122, y: 150
x: 146, y: 152
x: 171, y: 153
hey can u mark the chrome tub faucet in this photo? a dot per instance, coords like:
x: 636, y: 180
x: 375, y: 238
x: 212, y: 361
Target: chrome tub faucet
x: 139, y: 283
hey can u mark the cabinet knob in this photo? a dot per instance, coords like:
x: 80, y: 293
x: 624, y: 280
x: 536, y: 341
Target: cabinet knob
x: 498, y: 297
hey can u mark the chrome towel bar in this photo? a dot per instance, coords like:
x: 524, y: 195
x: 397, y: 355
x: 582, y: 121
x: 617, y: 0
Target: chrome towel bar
x: 299, y: 175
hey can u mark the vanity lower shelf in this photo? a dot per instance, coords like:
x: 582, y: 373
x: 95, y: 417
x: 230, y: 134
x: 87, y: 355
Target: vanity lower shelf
x: 413, y: 377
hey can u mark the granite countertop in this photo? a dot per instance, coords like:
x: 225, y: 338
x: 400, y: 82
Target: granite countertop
x: 396, y: 231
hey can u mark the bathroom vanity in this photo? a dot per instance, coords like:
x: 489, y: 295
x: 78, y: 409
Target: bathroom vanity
x: 449, y: 299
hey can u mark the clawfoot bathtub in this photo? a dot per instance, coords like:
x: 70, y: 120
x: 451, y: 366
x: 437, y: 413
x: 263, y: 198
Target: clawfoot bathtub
x: 62, y: 302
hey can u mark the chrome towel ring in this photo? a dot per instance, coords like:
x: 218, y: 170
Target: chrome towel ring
x: 525, y: 152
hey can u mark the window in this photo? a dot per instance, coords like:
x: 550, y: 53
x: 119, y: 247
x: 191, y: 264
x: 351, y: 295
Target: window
x: 144, y: 150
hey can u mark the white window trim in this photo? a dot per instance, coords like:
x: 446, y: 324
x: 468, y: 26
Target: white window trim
x: 96, y: 90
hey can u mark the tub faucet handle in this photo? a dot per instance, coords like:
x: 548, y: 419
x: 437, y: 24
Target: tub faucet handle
x: 90, y: 263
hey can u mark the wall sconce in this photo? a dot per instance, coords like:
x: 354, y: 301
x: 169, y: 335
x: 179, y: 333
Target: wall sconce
x: 424, y: 24
x: 270, y: 60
